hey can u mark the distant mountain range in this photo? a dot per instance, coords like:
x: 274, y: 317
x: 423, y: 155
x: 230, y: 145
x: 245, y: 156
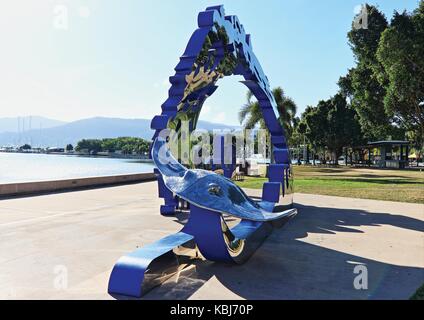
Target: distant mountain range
x: 53, y: 133
x: 19, y: 124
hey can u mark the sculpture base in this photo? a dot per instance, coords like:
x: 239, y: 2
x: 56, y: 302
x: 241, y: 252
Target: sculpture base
x: 206, y: 235
x: 138, y: 272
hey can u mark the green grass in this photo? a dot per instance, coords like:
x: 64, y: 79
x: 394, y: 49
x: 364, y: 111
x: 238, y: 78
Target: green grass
x: 419, y: 294
x: 392, y: 185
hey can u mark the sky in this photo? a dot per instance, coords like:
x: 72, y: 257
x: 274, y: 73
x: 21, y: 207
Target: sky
x: 112, y: 58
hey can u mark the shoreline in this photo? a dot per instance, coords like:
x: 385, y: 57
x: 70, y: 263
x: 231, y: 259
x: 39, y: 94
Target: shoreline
x: 142, y: 159
x: 17, y: 189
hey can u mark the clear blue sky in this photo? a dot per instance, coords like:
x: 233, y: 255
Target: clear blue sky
x: 115, y: 57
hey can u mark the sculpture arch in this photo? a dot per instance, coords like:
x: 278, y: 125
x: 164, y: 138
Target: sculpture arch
x: 218, y: 48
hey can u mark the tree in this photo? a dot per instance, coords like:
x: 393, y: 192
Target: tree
x: 250, y: 114
x: 127, y: 149
x: 91, y: 145
x: 346, y: 86
x: 125, y: 144
x: 332, y: 125
x: 401, y: 53
x: 296, y: 137
x: 142, y: 146
x: 109, y: 145
x: 314, y: 126
x: 286, y: 110
x: 26, y: 146
x: 362, y: 84
x: 69, y: 147
x: 364, y: 41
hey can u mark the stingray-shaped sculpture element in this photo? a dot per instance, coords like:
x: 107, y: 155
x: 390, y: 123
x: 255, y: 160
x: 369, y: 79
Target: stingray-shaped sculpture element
x: 219, y: 47
x: 207, y: 189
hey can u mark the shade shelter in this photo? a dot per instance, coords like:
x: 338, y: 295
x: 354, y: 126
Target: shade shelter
x: 389, y: 153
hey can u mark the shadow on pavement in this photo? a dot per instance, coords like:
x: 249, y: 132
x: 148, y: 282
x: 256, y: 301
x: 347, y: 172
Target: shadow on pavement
x: 285, y: 267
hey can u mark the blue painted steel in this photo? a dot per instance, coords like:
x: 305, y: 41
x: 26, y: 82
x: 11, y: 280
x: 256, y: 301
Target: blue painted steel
x: 128, y: 273
x: 222, y: 157
x: 216, y: 244
x: 206, y: 228
x: 271, y: 191
x: 218, y: 48
x: 281, y: 155
x: 276, y: 172
x: 171, y: 202
x: 207, y: 189
x: 159, y: 122
x: 246, y: 228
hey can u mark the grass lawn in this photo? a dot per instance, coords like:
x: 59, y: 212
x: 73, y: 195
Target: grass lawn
x: 392, y: 185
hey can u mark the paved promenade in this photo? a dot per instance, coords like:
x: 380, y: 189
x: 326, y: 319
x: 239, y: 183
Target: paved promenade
x: 63, y: 246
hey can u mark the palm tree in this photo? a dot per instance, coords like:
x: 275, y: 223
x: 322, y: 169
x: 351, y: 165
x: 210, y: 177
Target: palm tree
x: 286, y: 110
x: 250, y: 113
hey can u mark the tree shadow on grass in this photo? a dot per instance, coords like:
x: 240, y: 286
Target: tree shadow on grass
x: 325, y: 170
x: 286, y: 267
x: 387, y: 181
x: 369, y: 176
x: 371, y: 181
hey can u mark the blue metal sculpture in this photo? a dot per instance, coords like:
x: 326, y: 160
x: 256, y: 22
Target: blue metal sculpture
x: 218, y: 48
x: 209, y: 190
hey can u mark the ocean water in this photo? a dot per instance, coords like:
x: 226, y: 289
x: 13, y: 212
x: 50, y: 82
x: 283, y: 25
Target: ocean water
x: 20, y: 167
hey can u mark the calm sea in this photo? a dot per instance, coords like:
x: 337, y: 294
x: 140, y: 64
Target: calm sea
x: 18, y: 167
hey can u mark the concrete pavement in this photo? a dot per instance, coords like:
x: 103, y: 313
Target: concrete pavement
x: 63, y: 246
